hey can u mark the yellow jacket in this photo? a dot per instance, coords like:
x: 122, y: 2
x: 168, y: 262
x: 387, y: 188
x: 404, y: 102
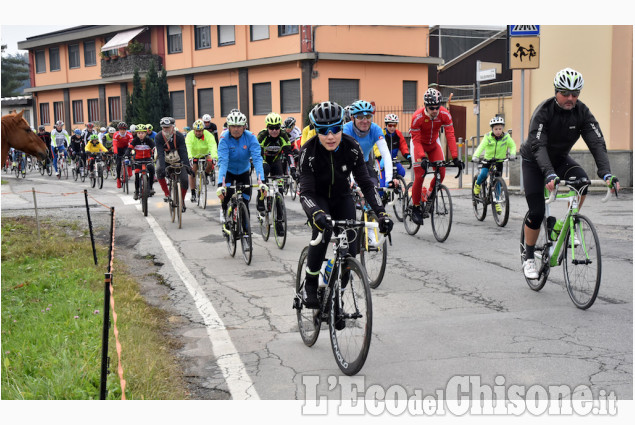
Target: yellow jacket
x: 307, y: 133
x: 95, y: 148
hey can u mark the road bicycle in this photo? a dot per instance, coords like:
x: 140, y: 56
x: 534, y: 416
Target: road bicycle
x: 201, y: 182
x: 144, y: 184
x: 46, y: 166
x: 291, y: 183
x: 576, y: 246
x: 79, y: 167
x: 125, y: 178
x: 345, y: 301
x: 62, y: 165
x: 96, y: 175
x: 20, y: 167
x: 373, y: 254
x: 175, y: 202
x: 274, y: 206
x: 438, y: 206
x: 237, y: 226
x: 493, y: 192
x: 394, y: 197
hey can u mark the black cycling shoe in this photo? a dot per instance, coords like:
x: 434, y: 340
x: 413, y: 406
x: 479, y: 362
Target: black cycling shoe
x: 183, y: 209
x: 135, y: 196
x: 193, y: 199
x: 417, y: 215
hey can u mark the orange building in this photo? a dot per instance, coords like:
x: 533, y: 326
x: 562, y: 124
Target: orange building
x: 85, y: 73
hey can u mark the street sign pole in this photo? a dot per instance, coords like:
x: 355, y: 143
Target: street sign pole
x: 478, y: 102
x: 522, y: 122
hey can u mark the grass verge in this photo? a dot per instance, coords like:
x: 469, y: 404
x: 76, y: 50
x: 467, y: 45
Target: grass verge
x: 52, y: 318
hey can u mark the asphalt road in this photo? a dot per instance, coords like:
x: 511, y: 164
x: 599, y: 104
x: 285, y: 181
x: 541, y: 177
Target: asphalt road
x: 444, y: 310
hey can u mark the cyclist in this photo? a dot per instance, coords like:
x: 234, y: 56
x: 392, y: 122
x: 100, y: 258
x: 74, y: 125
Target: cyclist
x: 120, y: 141
x: 93, y: 147
x: 151, y: 132
x: 90, y: 129
x: 424, y: 130
x: 326, y: 161
x: 107, y: 140
x: 235, y: 148
x: 200, y: 142
x: 555, y: 126
x: 496, y: 144
x: 133, y: 130
x: 210, y: 126
x: 59, y: 140
x: 294, y: 133
x: 102, y: 133
x: 170, y: 144
x: 45, y: 136
x: 141, y: 146
x: 368, y: 134
x: 77, y: 144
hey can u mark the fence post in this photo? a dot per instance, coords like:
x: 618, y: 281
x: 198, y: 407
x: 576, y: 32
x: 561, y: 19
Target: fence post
x: 461, y: 155
x: 105, y: 360
x: 37, y: 218
x: 90, y: 227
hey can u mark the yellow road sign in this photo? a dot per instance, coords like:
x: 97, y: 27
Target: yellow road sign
x: 524, y: 52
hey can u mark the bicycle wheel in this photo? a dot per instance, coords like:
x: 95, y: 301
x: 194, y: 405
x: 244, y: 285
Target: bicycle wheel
x: 293, y: 188
x: 372, y: 257
x: 179, y: 204
x: 42, y: 167
x: 541, y: 255
x: 204, y: 191
x: 82, y: 170
x: 500, y: 196
x: 173, y: 198
x: 582, y: 263
x: 65, y: 170
x: 100, y: 176
x: 398, y: 198
x: 265, y: 224
x: 23, y: 171
x: 93, y: 178
x: 229, y: 229
x: 124, y: 178
x: 351, y: 319
x: 309, y: 322
x: 279, y: 221
x: 144, y: 194
x: 479, y: 202
x: 441, y: 214
x: 49, y: 169
x: 245, y: 232
x: 411, y: 227
x: 75, y: 170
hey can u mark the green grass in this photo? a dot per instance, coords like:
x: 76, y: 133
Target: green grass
x: 52, y: 318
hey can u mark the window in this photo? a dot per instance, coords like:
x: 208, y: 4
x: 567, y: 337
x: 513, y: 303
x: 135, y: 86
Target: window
x: 93, y: 110
x: 259, y: 32
x: 90, y: 53
x: 409, y: 96
x: 78, y: 111
x: 174, y: 39
x: 177, y: 104
x: 228, y: 99
x: 226, y: 35
x: 40, y: 61
x: 203, y: 37
x: 114, y: 108
x: 206, y: 102
x: 45, y: 117
x: 54, y: 58
x: 287, y: 30
x: 262, y: 98
x: 58, y: 111
x: 290, y: 96
x: 343, y: 91
x: 73, y: 55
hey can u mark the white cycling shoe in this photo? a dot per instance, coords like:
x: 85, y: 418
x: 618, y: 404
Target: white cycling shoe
x: 529, y: 268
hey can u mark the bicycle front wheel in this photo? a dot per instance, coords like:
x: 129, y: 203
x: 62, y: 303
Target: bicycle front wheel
x: 265, y: 225
x: 245, y: 232
x: 279, y: 221
x: 229, y: 229
x: 100, y: 176
x: 441, y: 214
x: 373, y: 256
x: 293, y: 188
x: 582, y: 263
x: 411, y: 227
x: 479, y: 201
x: 203, y: 193
x: 144, y: 194
x: 351, y: 318
x: 173, y: 199
x: 179, y: 203
x: 541, y: 255
x: 500, y: 198
x: 398, y: 198
x: 309, y: 322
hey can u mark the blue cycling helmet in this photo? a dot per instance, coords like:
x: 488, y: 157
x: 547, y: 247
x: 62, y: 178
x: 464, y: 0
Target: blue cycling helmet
x: 360, y: 106
x: 77, y: 131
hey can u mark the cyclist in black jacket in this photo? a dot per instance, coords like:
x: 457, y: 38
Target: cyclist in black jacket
x: 556, y: 125
x: 326, y: 161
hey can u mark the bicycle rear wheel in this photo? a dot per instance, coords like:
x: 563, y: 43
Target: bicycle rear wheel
x: 293, y: 188
x: 500, y: 197
x: 372, y: 256
x: 541, y: 255
x: 144, y: 194
x: 245, y: 232
x: 398, y: 198
x: 411, y: 227
x: 441, y: 214
x: 279, y: 221
x: 479, y: 202
x: 351, y: 319
x: 582, y: 263
x: 309, y: 322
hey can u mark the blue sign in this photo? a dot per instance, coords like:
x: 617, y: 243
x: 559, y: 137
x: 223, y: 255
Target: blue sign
x: 516, y: 30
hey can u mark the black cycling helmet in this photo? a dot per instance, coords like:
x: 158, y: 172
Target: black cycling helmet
x: 326, y: 114
x: 289, y: 122
x: 122, y: 125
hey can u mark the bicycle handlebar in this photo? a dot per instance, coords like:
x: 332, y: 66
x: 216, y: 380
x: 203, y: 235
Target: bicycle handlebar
x: 349, y: 224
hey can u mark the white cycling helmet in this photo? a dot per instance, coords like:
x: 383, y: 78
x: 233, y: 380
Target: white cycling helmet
x: 103, y: 129
x: 391, y: 118
x: 568, y: 79
x: 497, y: 120
x: 236, y: 118
x: 133, y: 128
x: 111, y: 130
x: 207, y: 118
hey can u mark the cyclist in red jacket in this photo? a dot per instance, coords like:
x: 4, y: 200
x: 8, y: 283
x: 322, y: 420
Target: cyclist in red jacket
x: 424, y: 130
x: 120, y: 142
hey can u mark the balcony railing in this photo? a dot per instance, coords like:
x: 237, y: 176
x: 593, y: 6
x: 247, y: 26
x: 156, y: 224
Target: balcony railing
x: 126, y: 65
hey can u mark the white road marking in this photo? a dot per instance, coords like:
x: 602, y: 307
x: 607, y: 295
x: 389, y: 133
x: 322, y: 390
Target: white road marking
x: 238, y: 381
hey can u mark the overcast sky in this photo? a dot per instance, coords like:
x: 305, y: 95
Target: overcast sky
x: 11, y: 34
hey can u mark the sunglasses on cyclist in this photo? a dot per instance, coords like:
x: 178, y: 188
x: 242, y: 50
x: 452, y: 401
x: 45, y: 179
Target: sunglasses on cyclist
x: 567, y: 93
x: 391, y: 125
x: 274, y: 127
x: 364, y: 115
x: 324, y: 131
x: 433, y: 108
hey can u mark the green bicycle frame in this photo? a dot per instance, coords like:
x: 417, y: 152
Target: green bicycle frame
x: 567, y: 226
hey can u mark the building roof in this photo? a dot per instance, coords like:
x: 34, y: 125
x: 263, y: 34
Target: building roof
x: 72, y: 34
x: 16, y: 100
x: 473, y: 50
